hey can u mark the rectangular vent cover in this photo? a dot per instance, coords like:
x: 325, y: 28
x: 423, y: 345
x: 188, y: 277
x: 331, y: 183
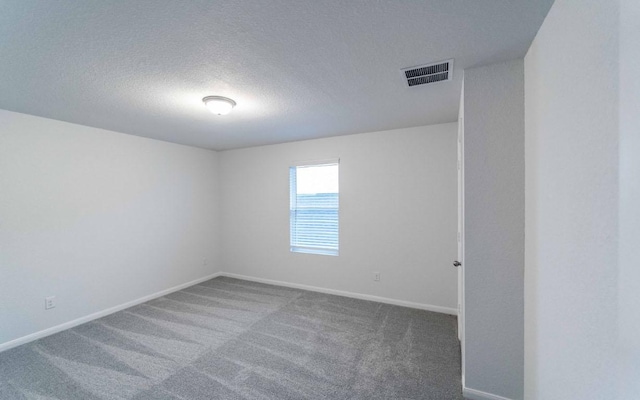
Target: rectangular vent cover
x: 430, y: 73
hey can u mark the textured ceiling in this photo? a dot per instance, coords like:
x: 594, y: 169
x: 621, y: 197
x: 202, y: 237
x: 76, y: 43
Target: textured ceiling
x: 297, y: 69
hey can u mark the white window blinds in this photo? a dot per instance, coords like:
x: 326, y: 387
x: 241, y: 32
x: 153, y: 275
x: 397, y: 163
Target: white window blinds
x: 314, y: 208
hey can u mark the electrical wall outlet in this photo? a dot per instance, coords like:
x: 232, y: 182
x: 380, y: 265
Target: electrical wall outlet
x: 49, y: 302
x: 376, y: 276
x: 205, y: 261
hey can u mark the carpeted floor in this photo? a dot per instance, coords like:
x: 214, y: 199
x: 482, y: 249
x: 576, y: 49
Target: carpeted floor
x: 233, y: 339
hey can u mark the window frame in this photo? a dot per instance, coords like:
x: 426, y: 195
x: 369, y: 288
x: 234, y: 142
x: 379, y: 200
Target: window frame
x: 293, y: 195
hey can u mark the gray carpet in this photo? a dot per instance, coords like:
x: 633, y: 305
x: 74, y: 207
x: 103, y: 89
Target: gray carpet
x: 233, y: 339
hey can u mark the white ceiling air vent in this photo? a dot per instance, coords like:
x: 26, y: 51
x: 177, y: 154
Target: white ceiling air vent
x: 431, y: 73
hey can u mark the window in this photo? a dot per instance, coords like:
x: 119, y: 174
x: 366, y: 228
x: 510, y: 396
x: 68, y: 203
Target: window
x: 313, y: 212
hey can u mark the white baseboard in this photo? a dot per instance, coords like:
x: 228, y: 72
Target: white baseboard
x: 420, y: 306
x: 67, y: 325
x: 474, y: 394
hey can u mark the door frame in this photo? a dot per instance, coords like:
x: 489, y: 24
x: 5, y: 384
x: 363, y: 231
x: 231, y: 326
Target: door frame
x: 460, y: 238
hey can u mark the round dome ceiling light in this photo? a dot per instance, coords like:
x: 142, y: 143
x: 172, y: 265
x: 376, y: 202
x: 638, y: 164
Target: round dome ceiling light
x: 219, y: 105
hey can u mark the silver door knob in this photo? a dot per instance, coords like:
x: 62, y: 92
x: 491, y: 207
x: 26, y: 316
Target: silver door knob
x: 456, y: 263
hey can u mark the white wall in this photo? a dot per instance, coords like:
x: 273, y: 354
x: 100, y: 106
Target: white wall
x: 97, y: 218
x: 494, y: 229
x: 629, y: 250
x: 398, y: 213
x: 571, y: 102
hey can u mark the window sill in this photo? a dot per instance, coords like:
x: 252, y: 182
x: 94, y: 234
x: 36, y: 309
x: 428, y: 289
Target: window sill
x: 311, y: 250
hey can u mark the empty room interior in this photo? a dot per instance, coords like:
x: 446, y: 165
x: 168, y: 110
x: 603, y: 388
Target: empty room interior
x: 331, y: 199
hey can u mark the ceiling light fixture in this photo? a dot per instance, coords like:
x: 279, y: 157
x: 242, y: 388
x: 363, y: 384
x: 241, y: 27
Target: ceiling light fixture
x: 219, y: 105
